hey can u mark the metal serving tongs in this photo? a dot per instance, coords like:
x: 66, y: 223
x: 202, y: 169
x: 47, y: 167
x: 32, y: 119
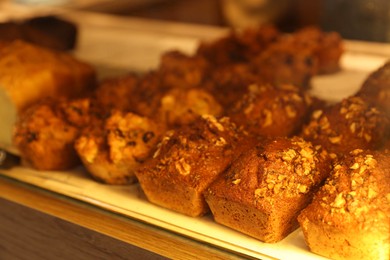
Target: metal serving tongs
x: 8, y: 160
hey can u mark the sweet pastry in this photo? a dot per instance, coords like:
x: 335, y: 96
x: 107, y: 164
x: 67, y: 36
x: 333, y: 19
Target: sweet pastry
x: 179, y: 70
x: 283, y: 63
x: 182, y: 106
x: 187, y: 160
x: 31, y: 73
x: 113, y: 151
x: 376, y: 88
x: 46, y: 31
x: 229, y: 83
x: 347, y: 125
x: 349, y: 217
x: 269, y: 111
x: 238, y: 46
x: 327, y: 47
x: 263, y: 191
x: 117, y: 93
x: 45, y: 138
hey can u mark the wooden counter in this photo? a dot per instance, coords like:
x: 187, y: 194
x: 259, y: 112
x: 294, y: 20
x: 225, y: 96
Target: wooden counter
x: 37, y: 224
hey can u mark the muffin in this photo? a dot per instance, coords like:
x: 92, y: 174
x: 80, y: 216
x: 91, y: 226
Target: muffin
x: 113, y: 151
x: 45, y: 137
x: 117, y: 93
x: 238, y: 46
x: 327, y: 47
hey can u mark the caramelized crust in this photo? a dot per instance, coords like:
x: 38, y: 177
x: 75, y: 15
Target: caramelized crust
x: 183, y: 106
x: 350, y: 215
x: 376, y: 88
x: 352, y: 123
x: 187, y: 161
x: 268, y: 111
x: 264, y: 190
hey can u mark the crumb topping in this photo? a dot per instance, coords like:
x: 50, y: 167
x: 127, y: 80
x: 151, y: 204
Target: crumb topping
x: 293, y: 172
x: 355, y: 190
x: 209, y: 140
x: 352, y: 121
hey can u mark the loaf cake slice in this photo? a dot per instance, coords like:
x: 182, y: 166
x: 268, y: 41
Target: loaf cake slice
x: 349, y: 217
x: 264, y: 190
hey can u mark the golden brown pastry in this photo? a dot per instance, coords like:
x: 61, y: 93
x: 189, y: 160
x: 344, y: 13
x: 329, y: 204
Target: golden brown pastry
x: 376, y: 88
x: 268, y: 111
x: 352, y: 123
x: 327, y: 47
x: 182, y: 106
x: 118, y: 93
x: 229, y: 83
x: 46, y: 31
x: 113, y: 151
x: 179, y: 70
x: 238, y: 46
x: 187, y: 161
x: 45, y: 138
x: 30, y: 73
x: 146, y: 97
x: 283, y: 63
x: 349, y: 217
x: 264, y: 190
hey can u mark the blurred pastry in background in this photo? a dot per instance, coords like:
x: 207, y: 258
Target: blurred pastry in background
x: 350, y: 124
x: 376, y: 88
x: 46, y: 31
x: 269, y: 111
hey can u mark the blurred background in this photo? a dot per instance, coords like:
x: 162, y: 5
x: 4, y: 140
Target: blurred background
x: 367, y: 20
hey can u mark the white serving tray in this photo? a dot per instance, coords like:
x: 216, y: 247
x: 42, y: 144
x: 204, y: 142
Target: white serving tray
x: 117, y: 45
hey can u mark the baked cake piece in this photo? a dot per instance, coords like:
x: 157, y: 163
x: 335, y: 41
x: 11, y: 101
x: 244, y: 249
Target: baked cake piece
x: 229, y: 83
x: 182, y: 106
x: 179, y: 70
x: 327, y: 47
x: 376, y: 88
x: 264, y: 190
x: 238, y: 46
x: 284, y: 63
x: 269, y: 111
x: 349, y: 217
x: 352, y: 123
x: 187, y: 160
